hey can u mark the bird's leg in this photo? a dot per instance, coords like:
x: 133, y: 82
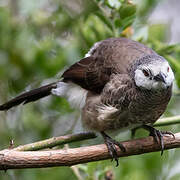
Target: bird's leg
x: 158, y: 135
x: 133, y: 131
x: 110, y: 143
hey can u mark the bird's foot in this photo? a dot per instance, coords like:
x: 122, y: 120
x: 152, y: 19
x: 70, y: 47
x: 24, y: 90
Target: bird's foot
x: 110, y: 143
x: 158, y: 135
x: 133, y: 132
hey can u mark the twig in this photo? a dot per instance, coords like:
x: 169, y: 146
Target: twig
x: 76, y: 172
x: 167, y: 121
x: 176, y: 93
x: 11, y: 159
x: 49, y: 143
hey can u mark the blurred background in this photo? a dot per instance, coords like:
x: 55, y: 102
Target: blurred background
x: 40, y: 39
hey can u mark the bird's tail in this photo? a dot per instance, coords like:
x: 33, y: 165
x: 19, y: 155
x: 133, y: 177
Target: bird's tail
x: 29, y: 96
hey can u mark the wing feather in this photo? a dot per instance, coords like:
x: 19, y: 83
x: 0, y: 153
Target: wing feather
x: 89, y: 74
x: 114, y: 55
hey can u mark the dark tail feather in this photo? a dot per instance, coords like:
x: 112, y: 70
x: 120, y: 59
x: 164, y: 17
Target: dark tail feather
x: 29, y: 96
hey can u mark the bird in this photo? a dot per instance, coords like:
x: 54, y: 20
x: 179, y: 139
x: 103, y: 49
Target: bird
x: 120, y: 84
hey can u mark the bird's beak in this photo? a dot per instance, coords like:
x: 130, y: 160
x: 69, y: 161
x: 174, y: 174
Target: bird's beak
x: 160, y: 77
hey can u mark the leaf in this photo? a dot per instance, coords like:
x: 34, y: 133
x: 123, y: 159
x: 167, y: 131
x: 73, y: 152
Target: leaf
x: 127, y: 13
x: 124, y: 23
x: 105, y: 20
x: 167, y: 49
x: 127, y: 10
x: 158, y: 32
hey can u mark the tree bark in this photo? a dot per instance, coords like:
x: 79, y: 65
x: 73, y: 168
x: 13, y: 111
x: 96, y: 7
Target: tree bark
x: 13, y: 159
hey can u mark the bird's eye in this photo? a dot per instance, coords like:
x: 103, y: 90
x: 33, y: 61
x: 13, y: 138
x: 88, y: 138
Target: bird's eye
x: 168, y: 69
x: 145, y: 72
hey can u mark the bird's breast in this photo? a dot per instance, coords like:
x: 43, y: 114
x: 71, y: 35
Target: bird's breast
x: 134, y: 108
x: 148, y: 106
x: 145, y: 109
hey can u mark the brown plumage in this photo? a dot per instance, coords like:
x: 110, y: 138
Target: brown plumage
x: 112, y: 63
x: 134, y: 107
x: 119, y: 84
x: 110, y: 56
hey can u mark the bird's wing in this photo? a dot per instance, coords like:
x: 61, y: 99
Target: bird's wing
x: 119, y: 91
x: 110, y: 108
x: 89, y: 73
x: 114, y: 55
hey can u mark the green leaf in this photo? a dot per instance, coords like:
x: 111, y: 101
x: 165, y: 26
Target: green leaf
x: 127, y: 10
x: 105, y: 20
x: 124, y: 23
x: 167, y: 49
x: 158, y: 32
x: 127, y: 14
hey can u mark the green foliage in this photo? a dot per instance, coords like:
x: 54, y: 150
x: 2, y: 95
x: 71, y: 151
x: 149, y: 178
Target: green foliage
x: 38, y: 39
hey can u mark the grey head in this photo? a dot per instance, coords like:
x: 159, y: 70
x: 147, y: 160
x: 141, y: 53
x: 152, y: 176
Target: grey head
x: 153, y: 73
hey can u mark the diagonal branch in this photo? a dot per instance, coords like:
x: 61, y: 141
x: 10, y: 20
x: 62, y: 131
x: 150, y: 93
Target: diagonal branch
x: 12, y: 159
x: 167, y: 121
x: 54, y: 141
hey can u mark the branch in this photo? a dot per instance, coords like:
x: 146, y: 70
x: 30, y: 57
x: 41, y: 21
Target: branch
x: 49, y: 143
x: 12, y: 159
x: 168, y: 121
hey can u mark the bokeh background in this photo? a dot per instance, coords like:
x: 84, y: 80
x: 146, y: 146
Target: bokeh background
x: 40, y: 39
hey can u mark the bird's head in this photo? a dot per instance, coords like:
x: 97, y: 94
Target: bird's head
x: 154, y: 75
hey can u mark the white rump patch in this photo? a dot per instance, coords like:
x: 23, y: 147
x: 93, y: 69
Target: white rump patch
x: 105, y: 112
x: 75, y: 94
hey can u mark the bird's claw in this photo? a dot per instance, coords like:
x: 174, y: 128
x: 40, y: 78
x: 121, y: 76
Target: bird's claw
x: 110, y: 143
x: 158, y: 135
x: 133, y: 132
